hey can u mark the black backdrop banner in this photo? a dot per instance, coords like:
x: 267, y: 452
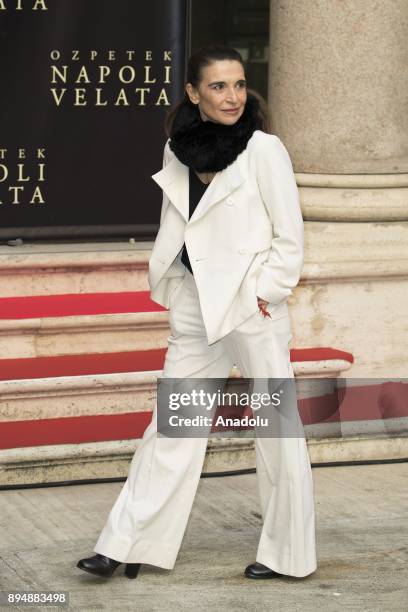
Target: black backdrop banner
x: 85, y: 86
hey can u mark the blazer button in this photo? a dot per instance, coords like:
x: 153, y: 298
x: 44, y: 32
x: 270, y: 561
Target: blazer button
x: 242, y: 251
x: 229, y: 201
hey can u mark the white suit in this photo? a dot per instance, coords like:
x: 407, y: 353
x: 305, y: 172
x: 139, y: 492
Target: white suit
x: 245, y: 239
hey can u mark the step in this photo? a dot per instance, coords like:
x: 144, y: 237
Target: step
x: 89, y: 408
x: 54, y: 269
x: 53, y: 336
x: 102, y: 399
x: 41, y: 326
x: 36, y: 326
x: 100, y: 460
x: 316, y: 362
x: 38, y: 395
x: 79, y: 409
x: 84, y: 447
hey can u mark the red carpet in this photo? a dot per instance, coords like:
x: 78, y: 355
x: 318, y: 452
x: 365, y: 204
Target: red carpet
x: 73, y: 304
x: 365, y: 402
x: 130, y: 361
x: 81, y: 429
x: 77, y: 365
x: 73, y: 430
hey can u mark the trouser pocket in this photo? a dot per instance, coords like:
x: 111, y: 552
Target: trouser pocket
x: 175, y: 293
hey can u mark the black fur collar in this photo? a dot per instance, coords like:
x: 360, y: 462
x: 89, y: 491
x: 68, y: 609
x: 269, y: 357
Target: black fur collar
x: 207, y: 146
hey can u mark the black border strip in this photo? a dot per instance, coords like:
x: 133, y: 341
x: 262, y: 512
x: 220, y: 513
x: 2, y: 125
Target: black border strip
x: 71, y: 483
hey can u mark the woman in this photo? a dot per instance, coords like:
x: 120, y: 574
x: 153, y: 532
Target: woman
x: 228, y: 253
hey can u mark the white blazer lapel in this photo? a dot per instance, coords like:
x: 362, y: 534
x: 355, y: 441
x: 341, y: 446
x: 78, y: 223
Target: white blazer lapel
x: 174, y: 180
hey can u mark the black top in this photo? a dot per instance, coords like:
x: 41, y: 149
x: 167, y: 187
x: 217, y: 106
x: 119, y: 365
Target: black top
x: 196, y: 191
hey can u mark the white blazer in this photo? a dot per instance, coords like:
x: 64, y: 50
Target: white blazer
x: 244, y: 239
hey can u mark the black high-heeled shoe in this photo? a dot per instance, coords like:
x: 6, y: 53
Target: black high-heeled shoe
x: 99, y: 565
x: 257, y: 570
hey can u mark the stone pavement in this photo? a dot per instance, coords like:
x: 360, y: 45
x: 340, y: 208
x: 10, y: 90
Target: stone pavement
x: 362, y: 547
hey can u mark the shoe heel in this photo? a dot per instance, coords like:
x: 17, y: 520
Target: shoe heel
x: 132, y: 570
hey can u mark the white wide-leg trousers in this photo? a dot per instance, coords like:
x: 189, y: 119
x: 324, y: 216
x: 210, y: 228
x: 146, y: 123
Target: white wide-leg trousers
x: 150, y: 515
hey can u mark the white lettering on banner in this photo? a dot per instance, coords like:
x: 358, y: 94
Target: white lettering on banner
x: 22, y: 153
x: 16, y: 193
x: 73, y: 83
x: 37, y: 197
x: 121, y: 99
x: 3, y: 172
x: 17, y: 173
x: 104, y: 71
x: 16, y: 190
x: 167, y: 74
x: 61, y: 74
x: 125, y: 74
x: 132, y: 74
x: 147, y: 75
x: 82, y: 75
x: 57, y: 97
x: 110, y: 55
x: 163, y: 96
x: 19, y: 5
x: 21, y: 177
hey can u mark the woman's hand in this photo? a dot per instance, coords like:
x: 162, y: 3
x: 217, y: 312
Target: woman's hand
x: 262, y: 304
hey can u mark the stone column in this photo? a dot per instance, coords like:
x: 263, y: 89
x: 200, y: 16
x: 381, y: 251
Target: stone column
x: 338, y: 97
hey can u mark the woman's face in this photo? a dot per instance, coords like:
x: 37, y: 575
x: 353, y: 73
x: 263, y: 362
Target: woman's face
x: 221, y: 94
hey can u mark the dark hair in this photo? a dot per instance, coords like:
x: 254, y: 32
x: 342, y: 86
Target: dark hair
x: 199, y: 60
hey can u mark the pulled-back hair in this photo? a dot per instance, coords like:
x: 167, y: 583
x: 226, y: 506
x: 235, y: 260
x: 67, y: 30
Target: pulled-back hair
x: 199, y: 60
